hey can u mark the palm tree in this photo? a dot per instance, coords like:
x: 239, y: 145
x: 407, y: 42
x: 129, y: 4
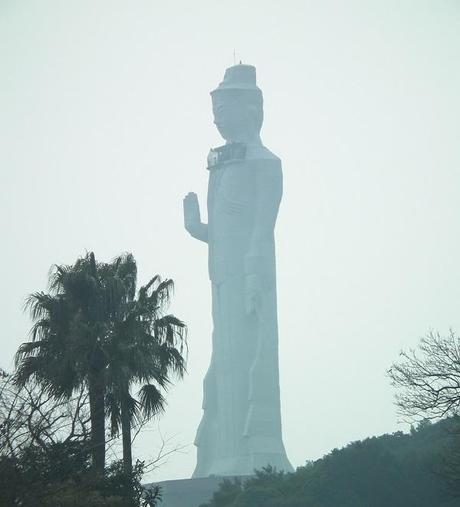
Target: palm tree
x: 146, y: 348
x: 67, y: 346
x: 91, y: 330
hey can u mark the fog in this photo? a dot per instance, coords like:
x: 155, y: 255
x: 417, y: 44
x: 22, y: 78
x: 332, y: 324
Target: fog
x: 106, y: 123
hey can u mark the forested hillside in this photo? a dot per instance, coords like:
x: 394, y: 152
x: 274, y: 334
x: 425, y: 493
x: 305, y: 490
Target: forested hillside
x: 419, y: 469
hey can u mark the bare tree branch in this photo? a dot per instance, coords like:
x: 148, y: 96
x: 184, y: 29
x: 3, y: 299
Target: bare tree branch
x: 428, y: 379
x: 28, y: 416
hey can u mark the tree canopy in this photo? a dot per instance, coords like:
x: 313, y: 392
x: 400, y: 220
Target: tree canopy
x: 400, y: 470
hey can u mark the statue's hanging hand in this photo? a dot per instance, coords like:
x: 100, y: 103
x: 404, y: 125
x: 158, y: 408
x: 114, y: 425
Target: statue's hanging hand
x: 252, y: 292
x: 192, y: 218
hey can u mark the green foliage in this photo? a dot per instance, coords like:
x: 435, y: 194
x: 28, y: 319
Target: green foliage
x: 61, y: 475
x: 128, y: 485
x: 397, y: 470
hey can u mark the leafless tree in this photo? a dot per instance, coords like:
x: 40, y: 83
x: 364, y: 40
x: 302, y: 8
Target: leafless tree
x: 428, y: 378
x: 29, y: 415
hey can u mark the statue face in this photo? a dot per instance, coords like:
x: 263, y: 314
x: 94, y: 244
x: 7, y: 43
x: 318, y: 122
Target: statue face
x: 234, y: 117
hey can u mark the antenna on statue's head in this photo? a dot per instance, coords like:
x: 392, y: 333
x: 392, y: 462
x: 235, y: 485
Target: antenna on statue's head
x: 234, y: 59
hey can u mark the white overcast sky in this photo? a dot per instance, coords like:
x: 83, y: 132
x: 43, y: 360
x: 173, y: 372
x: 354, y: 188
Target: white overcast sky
x: 105, y: 124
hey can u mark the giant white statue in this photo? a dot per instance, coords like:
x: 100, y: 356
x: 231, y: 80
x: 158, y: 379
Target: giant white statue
x: 241, y: 426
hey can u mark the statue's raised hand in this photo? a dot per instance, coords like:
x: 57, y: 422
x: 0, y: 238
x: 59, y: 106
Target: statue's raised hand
x: 192, y: 218
x: 191, y: 211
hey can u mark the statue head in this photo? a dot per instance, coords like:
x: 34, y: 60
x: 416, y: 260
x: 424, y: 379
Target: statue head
x: 237, y: 105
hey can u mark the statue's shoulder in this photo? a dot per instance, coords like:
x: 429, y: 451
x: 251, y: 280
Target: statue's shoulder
x: 259, y: 154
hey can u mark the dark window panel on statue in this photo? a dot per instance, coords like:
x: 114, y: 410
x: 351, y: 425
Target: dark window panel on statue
x: 241, y: 425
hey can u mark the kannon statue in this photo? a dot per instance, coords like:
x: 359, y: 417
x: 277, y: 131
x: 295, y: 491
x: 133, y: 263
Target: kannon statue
x: 241, y: 425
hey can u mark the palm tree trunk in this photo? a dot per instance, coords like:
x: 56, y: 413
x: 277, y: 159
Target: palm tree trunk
x: 126, y: 433
x: 97, y: 415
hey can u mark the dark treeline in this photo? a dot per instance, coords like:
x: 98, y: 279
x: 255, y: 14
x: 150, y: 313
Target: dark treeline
x: 398, y: 470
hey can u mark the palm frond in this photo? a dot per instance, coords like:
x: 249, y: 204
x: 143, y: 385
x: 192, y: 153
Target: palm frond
x: 56, y: 276
x: 171, y: 330
x: 39, y: 304
x: 134, y: 408
x: 126, y: 270
x: 40, y: 330
x: 113, y: 411
x: 152, y: 282
x: 152, y: 401
x: 26, y: 367
x: 28, y: 348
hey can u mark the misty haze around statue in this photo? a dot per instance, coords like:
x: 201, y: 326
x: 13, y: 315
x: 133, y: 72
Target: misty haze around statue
x: 230, y: 327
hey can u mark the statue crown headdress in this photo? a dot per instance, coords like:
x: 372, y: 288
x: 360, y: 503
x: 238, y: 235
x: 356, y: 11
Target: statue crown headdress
x: 239, y: 77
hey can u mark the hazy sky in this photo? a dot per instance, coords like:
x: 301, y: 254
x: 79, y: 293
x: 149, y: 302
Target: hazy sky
x: 105, y: 124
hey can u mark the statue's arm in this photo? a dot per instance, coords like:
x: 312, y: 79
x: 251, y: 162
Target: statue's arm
x: 192, y: 219
x: 268, y: 191
x: 198, y: 231
x: 259, y: 261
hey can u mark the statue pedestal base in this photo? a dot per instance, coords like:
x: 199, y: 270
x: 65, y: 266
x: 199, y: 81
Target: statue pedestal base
x: 189, y: 492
